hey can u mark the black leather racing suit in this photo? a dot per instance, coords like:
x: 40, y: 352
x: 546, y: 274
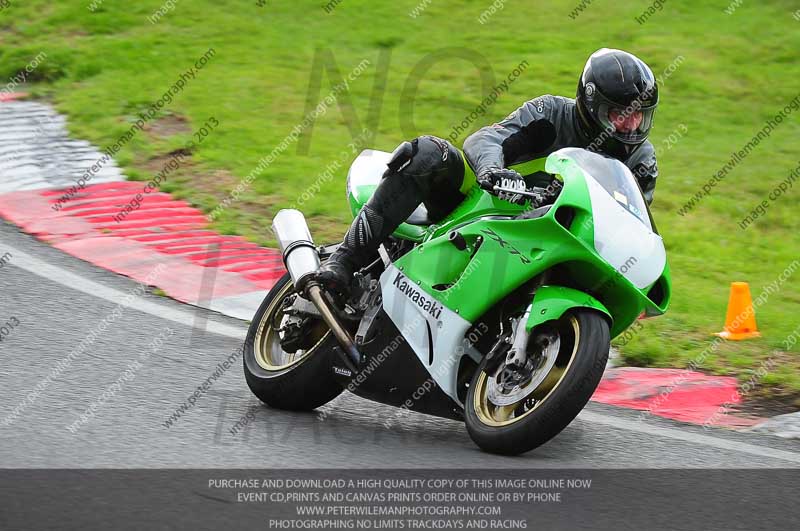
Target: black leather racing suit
x: 435, y: 174
x: 539, y: 127
x: 432, y: 171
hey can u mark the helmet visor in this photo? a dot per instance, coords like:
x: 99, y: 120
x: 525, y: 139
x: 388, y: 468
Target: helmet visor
x: 630, y: 125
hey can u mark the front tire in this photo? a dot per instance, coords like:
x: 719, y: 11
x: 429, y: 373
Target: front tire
x: 547, y: 409
x: 295, y: 382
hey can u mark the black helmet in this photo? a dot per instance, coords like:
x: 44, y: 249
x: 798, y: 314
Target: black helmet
x: 617, y: 98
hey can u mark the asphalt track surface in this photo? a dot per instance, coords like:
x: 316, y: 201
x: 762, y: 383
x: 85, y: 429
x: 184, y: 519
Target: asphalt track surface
x: 58, y: 300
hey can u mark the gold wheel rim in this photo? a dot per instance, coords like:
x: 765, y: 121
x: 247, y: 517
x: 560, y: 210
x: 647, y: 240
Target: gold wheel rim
x: 497, y: 416
x: 267, y: 341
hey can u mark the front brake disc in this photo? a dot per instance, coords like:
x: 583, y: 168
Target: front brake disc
x: 510, y: 385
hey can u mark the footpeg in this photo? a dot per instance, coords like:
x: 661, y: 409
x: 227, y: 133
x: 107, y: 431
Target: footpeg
x: 349, y: 354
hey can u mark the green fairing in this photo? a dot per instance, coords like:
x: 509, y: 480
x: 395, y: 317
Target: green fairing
x: 551, y: 302
x: 503, y: 253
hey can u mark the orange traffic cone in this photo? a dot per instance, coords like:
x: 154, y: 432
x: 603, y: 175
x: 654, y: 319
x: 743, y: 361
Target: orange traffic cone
x: 740, y: 322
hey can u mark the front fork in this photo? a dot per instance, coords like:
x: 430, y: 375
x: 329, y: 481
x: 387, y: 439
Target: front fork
x: 517, y: 355
x: 511, y: 346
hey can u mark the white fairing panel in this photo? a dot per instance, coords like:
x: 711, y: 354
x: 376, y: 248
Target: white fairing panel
x: 624, y: 241
x: 423, y: 321
x: 367, y: 169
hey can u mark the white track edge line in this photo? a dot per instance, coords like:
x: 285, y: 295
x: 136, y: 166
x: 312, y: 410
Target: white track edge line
x: 90, y: 287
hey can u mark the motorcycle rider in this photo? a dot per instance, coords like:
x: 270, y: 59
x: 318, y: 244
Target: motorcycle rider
x: 612, y: 114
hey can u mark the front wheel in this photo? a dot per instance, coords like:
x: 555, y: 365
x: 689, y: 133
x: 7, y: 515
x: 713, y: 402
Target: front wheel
x: 511, y: 411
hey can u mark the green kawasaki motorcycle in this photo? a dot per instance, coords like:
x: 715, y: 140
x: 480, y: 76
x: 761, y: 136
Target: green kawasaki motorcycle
x: 499, y: 315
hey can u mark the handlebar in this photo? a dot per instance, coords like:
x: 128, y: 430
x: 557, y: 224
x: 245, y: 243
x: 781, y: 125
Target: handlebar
x: 538, y: 195
x: 527, y: 193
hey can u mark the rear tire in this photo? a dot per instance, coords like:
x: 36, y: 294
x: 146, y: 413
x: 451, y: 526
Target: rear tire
x: 582, y: 362
x: 302, y: 385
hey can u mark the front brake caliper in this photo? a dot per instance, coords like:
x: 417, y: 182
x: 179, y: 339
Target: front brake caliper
x: 297, y: 314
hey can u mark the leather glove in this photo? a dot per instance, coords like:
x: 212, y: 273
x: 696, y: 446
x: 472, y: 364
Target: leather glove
x: 504, y: 178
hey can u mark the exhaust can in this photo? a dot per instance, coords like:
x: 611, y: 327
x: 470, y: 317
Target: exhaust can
x: 300, y: 255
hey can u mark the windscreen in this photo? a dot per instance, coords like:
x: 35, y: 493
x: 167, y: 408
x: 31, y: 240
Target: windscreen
x: 616, y: 179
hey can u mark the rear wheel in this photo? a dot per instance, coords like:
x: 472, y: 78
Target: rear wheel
x: 295, y: 381
x: 510, y: 410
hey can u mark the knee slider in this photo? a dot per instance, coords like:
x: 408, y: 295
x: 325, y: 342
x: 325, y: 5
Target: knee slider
x: 402, y: 156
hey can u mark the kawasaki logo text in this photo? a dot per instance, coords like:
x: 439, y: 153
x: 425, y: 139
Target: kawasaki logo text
x: 408, y: 289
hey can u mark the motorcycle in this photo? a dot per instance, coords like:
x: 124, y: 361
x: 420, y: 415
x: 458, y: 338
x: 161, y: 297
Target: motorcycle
x: 499, y: 315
